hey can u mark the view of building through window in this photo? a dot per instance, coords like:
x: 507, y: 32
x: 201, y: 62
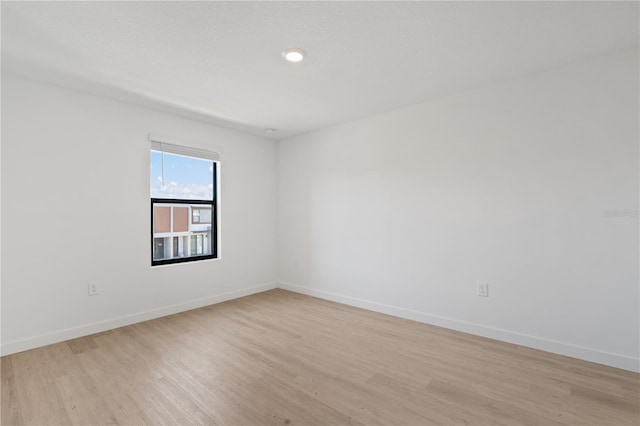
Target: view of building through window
x: 183, y: 210
x: 174, y: 235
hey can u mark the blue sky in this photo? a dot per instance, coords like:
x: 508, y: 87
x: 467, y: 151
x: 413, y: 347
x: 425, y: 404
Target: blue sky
x: 184, y: 177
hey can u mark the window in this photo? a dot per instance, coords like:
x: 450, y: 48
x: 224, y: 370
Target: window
x: 183, y: 203
x: 198, y: 243
x: 201, y: 215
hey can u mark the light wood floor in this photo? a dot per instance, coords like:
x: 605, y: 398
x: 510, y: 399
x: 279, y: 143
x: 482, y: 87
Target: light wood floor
x: 283, y: 358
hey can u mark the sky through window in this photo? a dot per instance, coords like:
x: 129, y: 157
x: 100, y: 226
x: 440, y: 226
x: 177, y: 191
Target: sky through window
x: 181, y: 177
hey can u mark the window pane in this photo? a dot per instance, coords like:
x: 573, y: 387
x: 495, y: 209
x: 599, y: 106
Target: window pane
x: 158, y: 248
x: 175, y: 176
x: 173, y: 237
x: 205, y: 215
x: 199, y: 249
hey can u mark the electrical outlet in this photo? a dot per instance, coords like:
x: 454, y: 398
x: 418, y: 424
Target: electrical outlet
x: 93, y: 289
x: 483, y: 289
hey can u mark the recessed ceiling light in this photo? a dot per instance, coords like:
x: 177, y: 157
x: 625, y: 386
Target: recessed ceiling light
x: 294, y: 55
x: 270, y: 130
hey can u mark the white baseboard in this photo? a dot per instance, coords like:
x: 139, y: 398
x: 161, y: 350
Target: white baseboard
x: 587, y: 354
x: 97, y: 327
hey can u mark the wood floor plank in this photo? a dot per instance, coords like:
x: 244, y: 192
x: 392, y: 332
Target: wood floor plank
x: 281, y: 358
x: 10, y: 412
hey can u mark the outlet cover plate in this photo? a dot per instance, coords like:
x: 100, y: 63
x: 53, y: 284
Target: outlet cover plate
x: 483, y: 289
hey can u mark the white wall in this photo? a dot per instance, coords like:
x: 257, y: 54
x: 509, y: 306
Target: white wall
x: 406, y: 211
x: 402, y: 213
x: 75, y: 208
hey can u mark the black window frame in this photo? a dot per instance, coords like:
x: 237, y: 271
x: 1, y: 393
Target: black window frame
x: 214, y: 224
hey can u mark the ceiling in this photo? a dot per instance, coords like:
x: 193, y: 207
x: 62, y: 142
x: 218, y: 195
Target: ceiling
x: 221, y: 61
